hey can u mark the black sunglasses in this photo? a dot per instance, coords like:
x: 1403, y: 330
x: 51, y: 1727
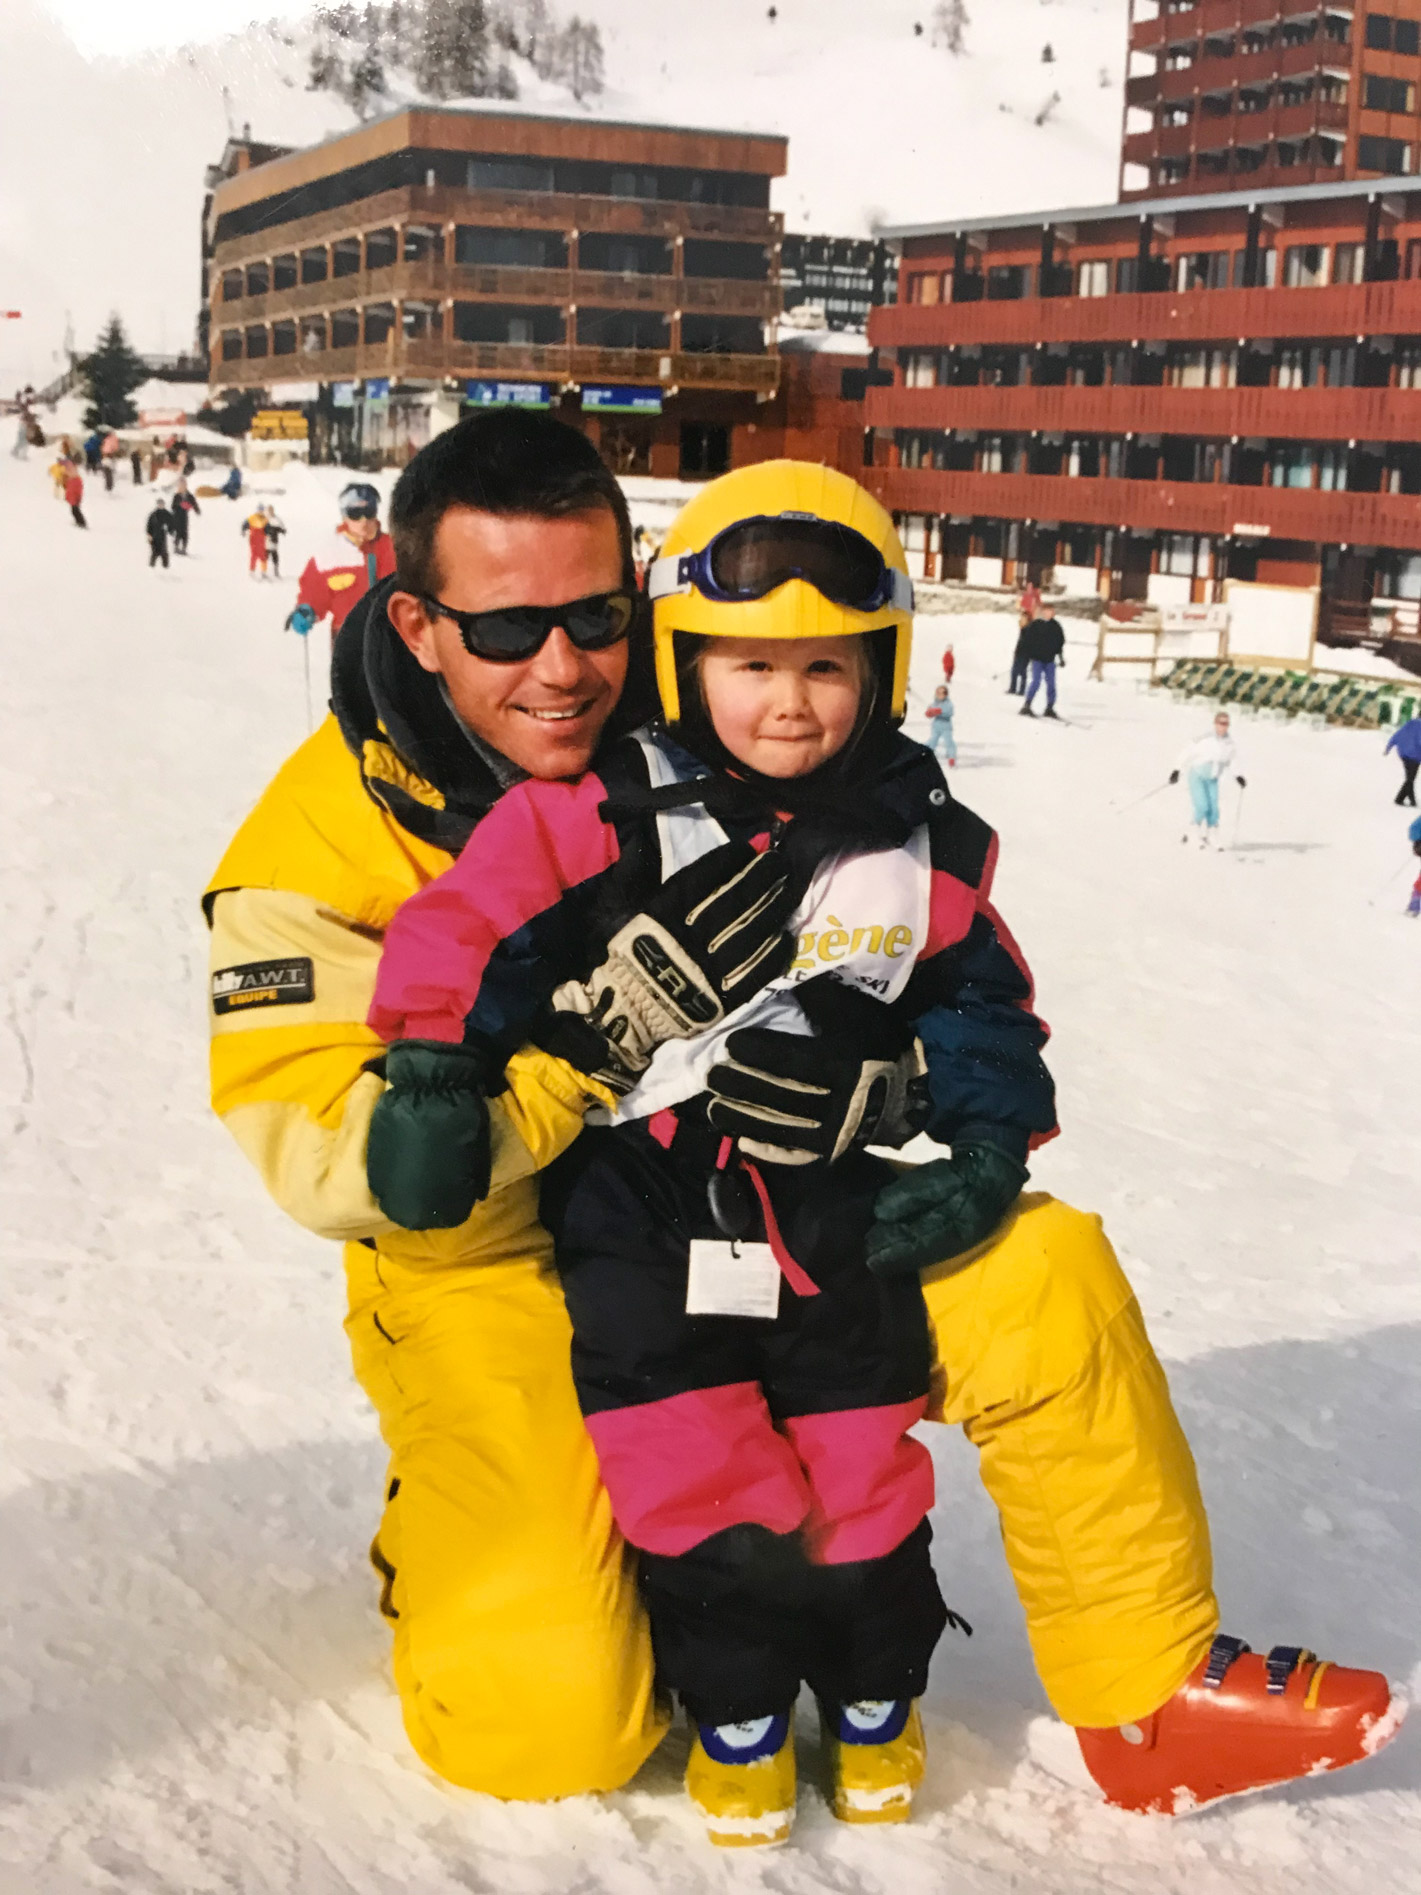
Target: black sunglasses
x: 361, y: 513
x: 517, y: 632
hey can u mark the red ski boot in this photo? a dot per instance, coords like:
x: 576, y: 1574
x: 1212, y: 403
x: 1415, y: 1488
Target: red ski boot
x: 1241, y: 1722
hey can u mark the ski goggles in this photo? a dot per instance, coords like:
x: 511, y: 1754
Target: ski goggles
x: 518, y: 632
x: 359, y: 511
x: 753, y: 558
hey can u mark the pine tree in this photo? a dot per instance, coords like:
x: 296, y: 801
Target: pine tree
x: 365, y: 86
x: 578, y: 61
x: 950, y: 23
x: 110, y: 375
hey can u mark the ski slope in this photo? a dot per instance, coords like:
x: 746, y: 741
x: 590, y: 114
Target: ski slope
x: 193, y: 1687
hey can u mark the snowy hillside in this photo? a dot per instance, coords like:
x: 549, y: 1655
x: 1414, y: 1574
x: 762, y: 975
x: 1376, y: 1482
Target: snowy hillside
x: 101, y: 161
x: 193, y: 1685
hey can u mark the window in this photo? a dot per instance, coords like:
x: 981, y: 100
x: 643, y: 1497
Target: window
x: 258, y: 279
x: 313, y: 335
x: 1390, y: 155
x: 315, y: 265
x: 1202, y: 270
x: 512, y: 174
x: 1337, y: 27
x: 382, y: 248
x: 234, y: 286
x: 705, y: 450
x: 284, y: 273
x: 925, y: 287
x: 1388, y: 95
x: 1349, y: 263
x: 633, y: 184
x: 496, y: 322
x: 1006, y: 283
x: 622, y: 329
x: 1305, y: 266
x: 625, y: 256
x: 1299, y: 366
x: 1388, y: 35
x: 744, y: 262
x: 283, y: 338
x: 231, y: 345
x: 920, y: 370
x: 1265, y: 269
x: 722, y: 335
x: 256, y: 343
x: 1093, y: 278
x: 1332, y: 469
x: 474, y: 244
x: 1201, y: 367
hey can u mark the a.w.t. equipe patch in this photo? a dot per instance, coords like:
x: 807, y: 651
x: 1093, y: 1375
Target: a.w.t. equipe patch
x: 264, y: 984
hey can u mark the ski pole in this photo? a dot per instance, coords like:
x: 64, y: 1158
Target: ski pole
x: 1238, y: 816
x: 1124, y: 807
x: 1372, y: 900
x: 306, y: 655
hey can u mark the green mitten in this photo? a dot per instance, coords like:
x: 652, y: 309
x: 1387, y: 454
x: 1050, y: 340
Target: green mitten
x: 943, y: 1209
x: 429, y: 1160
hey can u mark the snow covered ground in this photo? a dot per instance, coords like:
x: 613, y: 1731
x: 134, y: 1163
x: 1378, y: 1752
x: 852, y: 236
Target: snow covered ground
x: 193, y: 1689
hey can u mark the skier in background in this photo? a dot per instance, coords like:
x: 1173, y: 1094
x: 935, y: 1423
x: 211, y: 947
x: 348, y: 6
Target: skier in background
x: 254, y: 526
x: 949, y: 665
x: 1204, y: 764
x: 1042, y: 646
x: 1413, y: 907
x: 74, y: 493
x: 158, y: 526
x: 274, y: 530
x: 359, y: 555
x: 182, y: 505
x: 135, y: 461
x: 232, y: 485
x: 940, y: 716
x: 1406, y: 742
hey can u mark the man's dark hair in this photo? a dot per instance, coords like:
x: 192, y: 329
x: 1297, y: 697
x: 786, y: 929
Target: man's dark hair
x: 506, y: 461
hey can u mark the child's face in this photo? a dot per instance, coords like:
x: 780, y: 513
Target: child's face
x: 783, y: 706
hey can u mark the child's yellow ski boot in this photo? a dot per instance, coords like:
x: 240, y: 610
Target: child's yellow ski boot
x: 877, y: 1754
x: 741, y: 1778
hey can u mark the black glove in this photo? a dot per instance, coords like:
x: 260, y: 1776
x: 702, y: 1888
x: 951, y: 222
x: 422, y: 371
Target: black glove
x: 428, y: 1160
x: 944, y: 1208
x: 1174, y: 776
x: 1242, y: 782
x: 714, y: 935
x: 790, y: 1099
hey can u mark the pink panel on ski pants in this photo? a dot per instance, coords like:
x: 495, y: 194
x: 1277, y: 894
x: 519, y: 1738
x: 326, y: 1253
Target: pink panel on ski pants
x: 680, y: 1470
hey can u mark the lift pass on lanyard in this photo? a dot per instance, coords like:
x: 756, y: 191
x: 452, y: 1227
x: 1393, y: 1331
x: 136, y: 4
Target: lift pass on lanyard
x: 733, y: 1279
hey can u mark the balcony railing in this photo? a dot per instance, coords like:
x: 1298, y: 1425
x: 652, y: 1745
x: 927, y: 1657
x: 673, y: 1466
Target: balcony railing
x: 1304, y: 414
x: 1358, y: 519
x: 502, y: 210
x: 428, y: 281
x: 435, y: 358
x: 1342, y: 309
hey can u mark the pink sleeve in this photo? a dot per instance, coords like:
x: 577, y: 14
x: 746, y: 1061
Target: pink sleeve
x: 539, y: 841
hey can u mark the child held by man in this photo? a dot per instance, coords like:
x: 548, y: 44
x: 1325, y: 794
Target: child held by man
x: 768, y: 865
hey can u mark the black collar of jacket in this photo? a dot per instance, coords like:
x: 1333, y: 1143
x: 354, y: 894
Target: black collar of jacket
x: 416, y: 760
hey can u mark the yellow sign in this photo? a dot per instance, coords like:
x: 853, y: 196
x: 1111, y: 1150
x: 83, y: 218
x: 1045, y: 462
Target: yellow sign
x: 279, y: 424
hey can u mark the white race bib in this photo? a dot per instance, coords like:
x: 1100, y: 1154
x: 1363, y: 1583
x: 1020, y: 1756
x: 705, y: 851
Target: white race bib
x: 733, y: 1279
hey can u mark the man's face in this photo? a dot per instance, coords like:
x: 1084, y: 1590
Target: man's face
x: 1221, y: 726
x: 545, y: 713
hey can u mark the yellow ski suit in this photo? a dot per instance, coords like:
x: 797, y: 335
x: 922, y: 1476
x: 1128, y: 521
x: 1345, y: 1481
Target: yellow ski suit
x: 520, y: 1651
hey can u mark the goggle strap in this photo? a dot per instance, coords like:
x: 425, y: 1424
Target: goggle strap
x: 669, y: 576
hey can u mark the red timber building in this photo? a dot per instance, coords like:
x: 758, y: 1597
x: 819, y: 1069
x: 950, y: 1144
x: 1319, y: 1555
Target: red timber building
x: 1226, y: 92
x: 1163, y: 393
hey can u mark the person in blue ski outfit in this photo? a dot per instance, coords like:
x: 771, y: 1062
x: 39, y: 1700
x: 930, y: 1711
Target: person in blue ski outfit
x: 1406, y: 742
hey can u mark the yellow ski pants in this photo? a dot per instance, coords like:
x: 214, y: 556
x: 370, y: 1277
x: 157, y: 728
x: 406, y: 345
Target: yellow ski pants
x: 521, y: 1654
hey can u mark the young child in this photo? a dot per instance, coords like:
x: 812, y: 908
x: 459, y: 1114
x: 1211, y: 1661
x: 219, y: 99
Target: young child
x: 748, y: 1360
x: 941, y: 741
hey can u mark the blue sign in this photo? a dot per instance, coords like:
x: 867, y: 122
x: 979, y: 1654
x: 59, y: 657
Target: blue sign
x: 598, y: 398
x: 378, y: 390
x: 342, y: 394
x: 509, y: 394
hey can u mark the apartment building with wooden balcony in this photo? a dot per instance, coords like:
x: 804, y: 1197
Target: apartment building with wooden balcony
x: 1228, y: 94
x: 1151, y: 397
x: 626, y: 275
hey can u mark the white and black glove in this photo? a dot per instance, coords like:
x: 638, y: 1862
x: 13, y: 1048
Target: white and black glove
x: 792, y: 1100
x: 714, y: 935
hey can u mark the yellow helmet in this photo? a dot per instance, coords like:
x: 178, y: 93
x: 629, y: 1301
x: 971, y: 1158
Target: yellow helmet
x: 784, y: 549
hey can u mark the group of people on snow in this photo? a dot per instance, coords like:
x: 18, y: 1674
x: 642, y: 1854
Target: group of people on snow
x: 604, y: 928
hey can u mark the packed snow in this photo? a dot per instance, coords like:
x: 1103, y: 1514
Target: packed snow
x: 102, y: 159
x: 193, y: 1685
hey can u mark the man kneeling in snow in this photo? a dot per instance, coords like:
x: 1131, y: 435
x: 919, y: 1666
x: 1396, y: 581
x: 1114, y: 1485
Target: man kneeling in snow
x: 520, y: 1649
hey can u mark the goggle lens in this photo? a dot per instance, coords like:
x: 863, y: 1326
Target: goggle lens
x: 360, y: 513
x: 754, y: 558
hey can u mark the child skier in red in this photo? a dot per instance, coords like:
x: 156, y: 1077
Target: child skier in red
x: 749, y: 1369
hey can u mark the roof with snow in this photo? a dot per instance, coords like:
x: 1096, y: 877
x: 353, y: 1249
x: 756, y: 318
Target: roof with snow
x: 1158, y: 206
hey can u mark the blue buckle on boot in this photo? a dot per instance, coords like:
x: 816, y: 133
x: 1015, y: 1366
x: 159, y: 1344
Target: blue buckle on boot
x: 1222, y: 1654
x: 1282, y: 1662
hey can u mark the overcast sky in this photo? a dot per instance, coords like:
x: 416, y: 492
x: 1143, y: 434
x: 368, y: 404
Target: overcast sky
x: 135, y: 26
